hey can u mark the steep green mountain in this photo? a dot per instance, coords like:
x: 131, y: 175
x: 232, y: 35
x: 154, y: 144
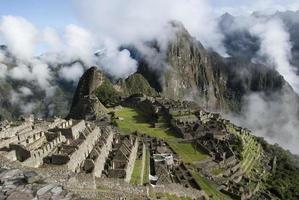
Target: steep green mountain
x: 95, y: 91
x: 135, y: 84
x: 217, y: 83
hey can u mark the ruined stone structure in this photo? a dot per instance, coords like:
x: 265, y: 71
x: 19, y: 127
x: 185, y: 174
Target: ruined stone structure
x: 122, y: 158
x: 209, y: 133
x: 167, y: 168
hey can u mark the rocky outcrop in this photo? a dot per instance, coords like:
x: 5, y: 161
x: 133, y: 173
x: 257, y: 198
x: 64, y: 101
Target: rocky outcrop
x: 192, y: 72
x: 85, y: 104
x: 189, y: 73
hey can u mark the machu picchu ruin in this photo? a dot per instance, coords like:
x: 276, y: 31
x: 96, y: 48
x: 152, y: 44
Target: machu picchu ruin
x: 149, y: 147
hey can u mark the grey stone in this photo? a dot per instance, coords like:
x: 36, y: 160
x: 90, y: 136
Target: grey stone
x: 32, y: 177
x: 47, y: 196
x: 10, y: 174
x: 56, y: 190
x: 17, y: 195
x: 45, y: 189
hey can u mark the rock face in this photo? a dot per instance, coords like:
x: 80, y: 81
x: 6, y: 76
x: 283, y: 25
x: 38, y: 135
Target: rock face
x: 192, y: 72
x: 85, y: 104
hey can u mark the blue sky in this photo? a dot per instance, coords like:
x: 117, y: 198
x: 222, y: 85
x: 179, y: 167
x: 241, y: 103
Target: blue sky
x: 54, y: 13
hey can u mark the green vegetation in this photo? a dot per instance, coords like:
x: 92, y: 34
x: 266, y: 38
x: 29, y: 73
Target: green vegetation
x: 167, y: 196
x: 137, y: 84
x: 250, y: 154
x: 136, y: 175
x: 283, y: 183
x: 146, y: 167
x: 107, y: 94
x: 134, y: 120
x: 173, y: 197
x: 217, y: 170
x: 208, y: 187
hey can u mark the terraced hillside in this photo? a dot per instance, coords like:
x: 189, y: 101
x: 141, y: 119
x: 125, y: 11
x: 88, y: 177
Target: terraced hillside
x: 131, y: 120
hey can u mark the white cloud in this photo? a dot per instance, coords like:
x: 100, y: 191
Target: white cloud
x: 276, y: 46
x: 52, y: 39
x: 134, y: 20
x: 71, y: 73
x: 21, y: 72
x: 275, y: 119
x: 25, y: 91
x: 118, y: 63
x: 35, y: 72
x: 2, y: 56
x: 20, y: 36
x: 28, y: 108
x: 3, y: 70
x: 244, y: 8
x: 79, y: 43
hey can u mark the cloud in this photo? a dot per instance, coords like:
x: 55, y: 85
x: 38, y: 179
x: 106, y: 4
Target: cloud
x: 134, y: 21
x: 20, y: 36
x: 2, y: 56
x: 79, y: 43
x: 274, y: 43
x: 275, y: 118
x: 71, y: 73
x: 52, y: 39
x: 244, y: 8
x: 276, y: 46
x: 35, y: 72
x: 118, y: 63
x: 3, y: 70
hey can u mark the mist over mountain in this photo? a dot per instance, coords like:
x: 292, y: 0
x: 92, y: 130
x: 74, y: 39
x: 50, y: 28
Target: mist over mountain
x: 274, y: 116
x: 227, y: 65
x: 151, y: 99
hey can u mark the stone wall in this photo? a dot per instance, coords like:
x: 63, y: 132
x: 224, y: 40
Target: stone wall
x: 106, y: 148
x: 180, y: 191
x: 37, y: 155
x: 56, y: 122
x: 132, y: 158
x: 71, y: 130
x: 16, y: 134
x: 83, y: 150
x: 11, y: 131
x: 77, y: 128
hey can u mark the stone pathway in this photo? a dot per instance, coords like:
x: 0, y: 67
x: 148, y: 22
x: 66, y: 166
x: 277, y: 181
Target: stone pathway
x: 16, y: 184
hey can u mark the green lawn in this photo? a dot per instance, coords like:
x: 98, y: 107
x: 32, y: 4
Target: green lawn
x: 167, y: 196
x: 146, y: 167
x: 210, y: 189
x: 217, y: 170
x: 136, y: 175
x: 136, y: 121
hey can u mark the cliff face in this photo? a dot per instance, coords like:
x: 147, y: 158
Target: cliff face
x: 193, y: 72
x: 189, y: 73
x: 85, y: 104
